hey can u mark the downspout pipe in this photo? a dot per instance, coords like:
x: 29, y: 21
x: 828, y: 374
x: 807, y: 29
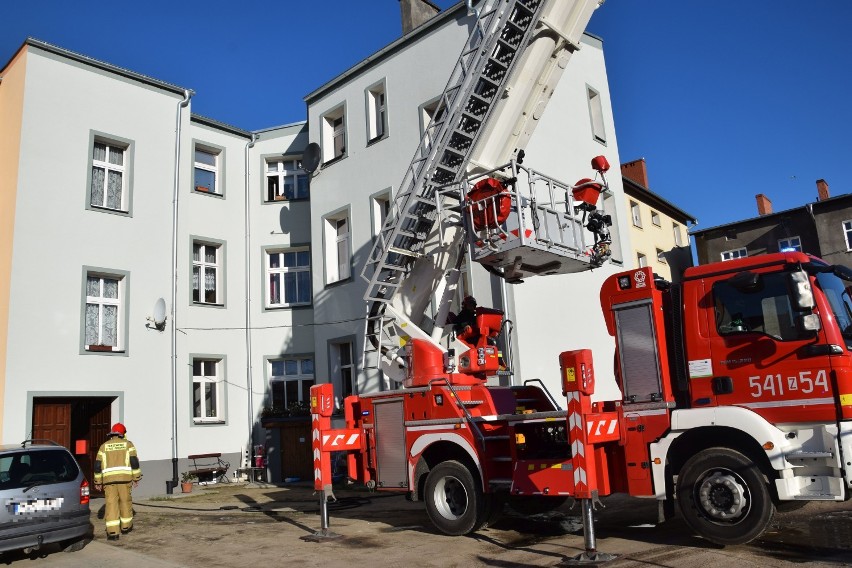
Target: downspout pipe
x: 187, y: 94
x: 249, y: 382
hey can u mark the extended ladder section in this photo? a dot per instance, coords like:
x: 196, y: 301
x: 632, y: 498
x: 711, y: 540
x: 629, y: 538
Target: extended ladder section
x: 421, y: 240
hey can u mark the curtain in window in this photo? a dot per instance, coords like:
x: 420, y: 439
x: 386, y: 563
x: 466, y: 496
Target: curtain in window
x: 113, y: 200
x: 98, y: 186
x: 110, y: 333
x: 92, y: 313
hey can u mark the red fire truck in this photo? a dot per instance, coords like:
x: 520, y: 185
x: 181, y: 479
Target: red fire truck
x: 737, y: 399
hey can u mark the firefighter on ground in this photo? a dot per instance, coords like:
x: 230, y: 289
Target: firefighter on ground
x: 116, y: 467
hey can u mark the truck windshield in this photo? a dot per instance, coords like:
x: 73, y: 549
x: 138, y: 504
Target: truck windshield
x: 837, y: 293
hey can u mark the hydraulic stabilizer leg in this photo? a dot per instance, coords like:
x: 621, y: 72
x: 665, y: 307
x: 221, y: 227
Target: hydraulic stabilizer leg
x: 591, y: 554
x: 325, y: 533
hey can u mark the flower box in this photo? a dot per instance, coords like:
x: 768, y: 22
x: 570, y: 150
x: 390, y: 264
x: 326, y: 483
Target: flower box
x: 203, y: 188
x: 100, y: 347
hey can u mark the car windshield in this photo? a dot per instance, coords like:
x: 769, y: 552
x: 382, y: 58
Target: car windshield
x: 837, y: 292
x: 28, y: 468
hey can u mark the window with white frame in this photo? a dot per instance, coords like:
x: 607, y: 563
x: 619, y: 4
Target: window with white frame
x: 734, y: 254
x: 655, y: 218
x: 333, y: 126
x: 596, y: 115
x: 377, y: 117
x: 285, y: 180
x: 641, y: 260
x: 428, y: 113
x: 678, y: 236
x: 104, y: 312
x: 847, y: 231
x: 380, y: 208
x: 109, y: 175
x: 206, y: 265
x: 337, y: 248
x: 661, y: 256
x: 790, y: 244
x: 343, y: 368
x: 206, y: 386
x: 636, y: 214
x: 290, y: 381
x: 207, y: 170
x: 288, y: 277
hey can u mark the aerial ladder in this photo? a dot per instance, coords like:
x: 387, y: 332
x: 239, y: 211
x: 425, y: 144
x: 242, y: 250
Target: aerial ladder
x: 493, y: 100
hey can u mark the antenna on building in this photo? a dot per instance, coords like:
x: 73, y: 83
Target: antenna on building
x: 311, y: 158
x: 159, y: 317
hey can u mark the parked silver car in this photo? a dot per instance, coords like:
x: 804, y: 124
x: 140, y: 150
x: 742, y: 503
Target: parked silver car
x: 44, y: 498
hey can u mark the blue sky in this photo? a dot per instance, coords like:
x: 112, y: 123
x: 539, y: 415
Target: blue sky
x: 724, y: 99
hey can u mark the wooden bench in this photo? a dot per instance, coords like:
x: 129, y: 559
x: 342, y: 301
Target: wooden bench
x: 209, y: 464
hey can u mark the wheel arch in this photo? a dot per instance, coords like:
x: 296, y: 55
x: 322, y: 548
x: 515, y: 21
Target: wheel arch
x: 696, y: 440
x: 438, y: 451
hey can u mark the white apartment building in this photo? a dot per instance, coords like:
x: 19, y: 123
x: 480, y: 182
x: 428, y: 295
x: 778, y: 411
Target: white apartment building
x: 134, y: 199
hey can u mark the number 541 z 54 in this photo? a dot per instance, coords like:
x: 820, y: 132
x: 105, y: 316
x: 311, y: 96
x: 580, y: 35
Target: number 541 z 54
x: 806, y: 382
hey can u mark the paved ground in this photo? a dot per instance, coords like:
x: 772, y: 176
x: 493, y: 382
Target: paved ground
x: 248, y: 525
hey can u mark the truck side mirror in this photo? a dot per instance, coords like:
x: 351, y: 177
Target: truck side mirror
x: 802, y: 294
x: 809, y: 322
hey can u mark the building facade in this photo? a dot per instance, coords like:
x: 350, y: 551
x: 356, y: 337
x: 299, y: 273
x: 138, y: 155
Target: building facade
x: 822, y: 228
x: 659, y: 230
x: 257, y: 262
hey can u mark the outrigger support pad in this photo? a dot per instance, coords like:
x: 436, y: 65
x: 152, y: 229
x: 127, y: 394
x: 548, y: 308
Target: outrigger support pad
x: 591, y: 556
x: 324, y: 534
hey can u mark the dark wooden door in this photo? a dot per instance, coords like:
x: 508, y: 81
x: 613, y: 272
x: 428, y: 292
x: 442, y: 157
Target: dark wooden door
x: 296, y: 450
x: 52, y: 421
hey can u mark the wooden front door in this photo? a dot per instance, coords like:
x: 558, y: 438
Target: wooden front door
x: 69, y: 420
x: 296, y: 450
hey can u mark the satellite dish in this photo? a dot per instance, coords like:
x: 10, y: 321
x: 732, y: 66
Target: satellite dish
x: 311, y: 158
x: 159, y: 312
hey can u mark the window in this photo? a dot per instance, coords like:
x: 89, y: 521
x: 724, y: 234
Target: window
x: 655, y: 218
x: 635, y: 213
x: 734, y: 254
x: 334, y: 134
x: 104, y: 312
x: 337, y: 248
x: 641, y: 260
x: 380, y: 209
x: 289, y: 277
x: 206, y: 398
x: 206, y: 261
x: 661, y: 256
x: 285, y: 179
x: 207, y: 171
x: 343, y: 368
x: 847, y: 231
x: 678, y: 238
x: 596, y: 115
x: 290, y: 380
x: 764, y: 308
x: 428, y: 113
x: 108, y: 188
x: 377, y: 118
x: 790, y: 244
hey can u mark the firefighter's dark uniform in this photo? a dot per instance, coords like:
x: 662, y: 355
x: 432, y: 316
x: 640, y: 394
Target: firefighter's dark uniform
x: 116, y: 467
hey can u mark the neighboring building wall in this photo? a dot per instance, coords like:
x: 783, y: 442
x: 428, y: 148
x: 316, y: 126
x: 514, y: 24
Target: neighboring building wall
x: 818, y: 228
x: 11, y: 117
x: 659, y: 235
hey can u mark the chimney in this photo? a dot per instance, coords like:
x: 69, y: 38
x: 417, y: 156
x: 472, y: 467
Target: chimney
x: 822, y: 190
x: 764, y: 206
x: 416, y: 12
x: 636, y: 171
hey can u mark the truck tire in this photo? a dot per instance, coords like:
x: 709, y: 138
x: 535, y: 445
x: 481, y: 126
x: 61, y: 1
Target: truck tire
x: 454, y: 499
x: 724, y: 497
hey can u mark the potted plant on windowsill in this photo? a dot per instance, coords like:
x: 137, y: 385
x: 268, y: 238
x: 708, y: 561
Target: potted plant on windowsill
x: 186, y: 479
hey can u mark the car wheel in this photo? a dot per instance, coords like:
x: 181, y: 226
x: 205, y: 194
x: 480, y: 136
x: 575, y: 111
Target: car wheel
x: 723, y: 496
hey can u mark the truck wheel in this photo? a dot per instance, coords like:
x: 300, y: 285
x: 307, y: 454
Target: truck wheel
x: 454, y: 500
x: 723, y: 496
